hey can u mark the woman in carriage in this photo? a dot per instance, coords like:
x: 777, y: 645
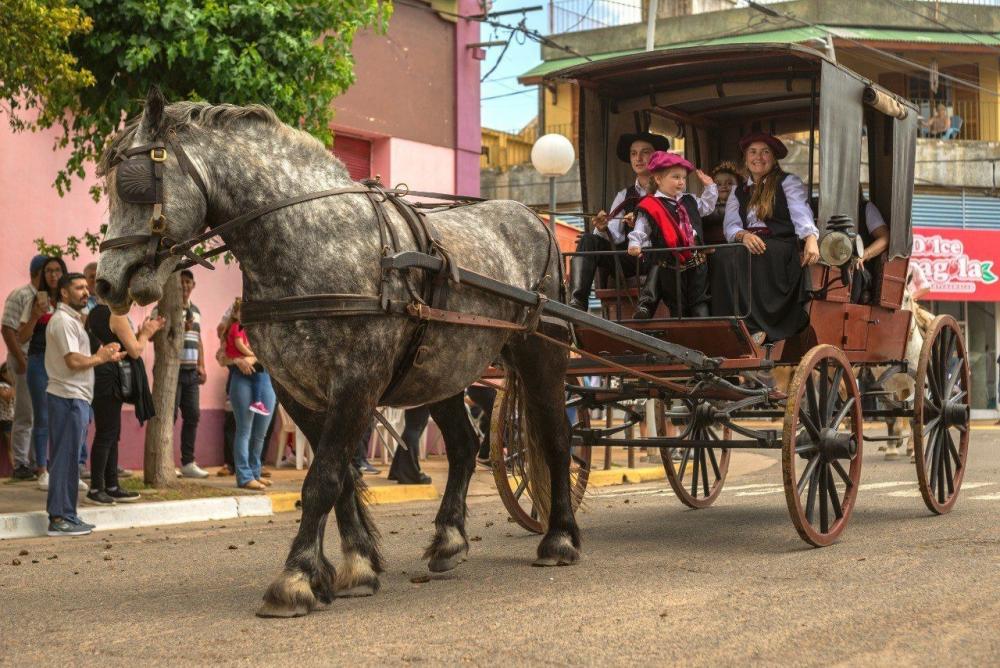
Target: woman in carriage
x: 770, y: 215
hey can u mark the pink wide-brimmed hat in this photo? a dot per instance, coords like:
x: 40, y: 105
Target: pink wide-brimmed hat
x: 779, y: 148
x: 661, y: 160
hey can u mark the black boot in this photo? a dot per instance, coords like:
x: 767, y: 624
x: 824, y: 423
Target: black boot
x: 649, y: 295
x: 581, y: 278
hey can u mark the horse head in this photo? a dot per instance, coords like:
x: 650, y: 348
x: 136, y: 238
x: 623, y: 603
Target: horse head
x: 155, y: 198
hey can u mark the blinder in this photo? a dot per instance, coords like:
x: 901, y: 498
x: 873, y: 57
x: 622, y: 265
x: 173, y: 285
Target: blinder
x: 139, y: 180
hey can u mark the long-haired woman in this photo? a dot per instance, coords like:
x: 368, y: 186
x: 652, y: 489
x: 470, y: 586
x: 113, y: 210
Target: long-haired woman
x: 34, y: 321
x: 770, y: 215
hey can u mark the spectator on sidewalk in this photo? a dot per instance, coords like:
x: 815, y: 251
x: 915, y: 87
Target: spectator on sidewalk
x: 34, y: 321
x: 90, y: 274
x: 17, y: 361
x: 190, y: 379
x: 360, y: 461
x: 69, y: 366
x: 483, y: 397
x: 405, y: 467
x: 6, y: 405
x: 110, y: 391
x: 249, y: 384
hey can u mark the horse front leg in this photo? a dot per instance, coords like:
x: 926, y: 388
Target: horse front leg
x: 450, y: 544
x: 308, y: 577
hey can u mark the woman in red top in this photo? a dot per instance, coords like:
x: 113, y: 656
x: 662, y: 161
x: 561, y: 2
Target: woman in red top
x: 252, y: 398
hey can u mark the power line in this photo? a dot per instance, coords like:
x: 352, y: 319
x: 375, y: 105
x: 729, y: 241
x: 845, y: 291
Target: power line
x: 886, y: 54
x: 517, y: 92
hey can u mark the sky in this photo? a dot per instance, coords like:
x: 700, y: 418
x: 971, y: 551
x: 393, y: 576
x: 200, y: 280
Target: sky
x: 513, y: 112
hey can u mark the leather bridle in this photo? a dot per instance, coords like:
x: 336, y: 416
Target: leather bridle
x: 139, y: 180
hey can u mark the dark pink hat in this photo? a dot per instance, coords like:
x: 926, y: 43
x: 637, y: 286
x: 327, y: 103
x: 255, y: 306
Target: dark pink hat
x: 779, y: 148
x: 661, y: 160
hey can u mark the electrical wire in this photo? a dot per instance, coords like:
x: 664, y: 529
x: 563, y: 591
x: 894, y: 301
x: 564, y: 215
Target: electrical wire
x: 886, y: 54
x: 510, y: 38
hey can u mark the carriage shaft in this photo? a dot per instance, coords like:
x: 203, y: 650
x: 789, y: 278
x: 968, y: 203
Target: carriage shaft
x: 417, y: 260
x: 660, y: 442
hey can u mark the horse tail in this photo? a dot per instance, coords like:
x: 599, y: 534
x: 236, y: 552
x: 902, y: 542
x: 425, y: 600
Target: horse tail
x: 361, y: 502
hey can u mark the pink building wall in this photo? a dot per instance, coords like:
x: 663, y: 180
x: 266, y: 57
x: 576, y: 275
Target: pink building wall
x: 30, y: 208
x: 468, y: 129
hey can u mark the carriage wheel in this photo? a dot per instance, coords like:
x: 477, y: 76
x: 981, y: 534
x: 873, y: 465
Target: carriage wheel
x: 698, y: 476
x: 821, y: 445
x: 941, y: 414
x: 510, y: 464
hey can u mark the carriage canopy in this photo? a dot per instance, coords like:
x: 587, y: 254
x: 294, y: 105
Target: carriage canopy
x: 712, y: 96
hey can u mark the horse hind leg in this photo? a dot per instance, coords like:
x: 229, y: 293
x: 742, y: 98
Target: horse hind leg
x: 358, y: 574
x: 307, y: 579
x: 541, y: 370
x: 450, y: 544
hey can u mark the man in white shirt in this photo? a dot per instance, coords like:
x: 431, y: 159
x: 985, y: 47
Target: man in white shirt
x: 611, y: 230
x: 70, y: 367
x: 17, y: 361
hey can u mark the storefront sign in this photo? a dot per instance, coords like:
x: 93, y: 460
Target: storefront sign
x: 961, y: 265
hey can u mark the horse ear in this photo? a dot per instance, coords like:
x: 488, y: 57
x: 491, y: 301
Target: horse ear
x: 152, y: 113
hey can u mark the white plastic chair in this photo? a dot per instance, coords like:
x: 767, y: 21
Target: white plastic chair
x: 303, y: 450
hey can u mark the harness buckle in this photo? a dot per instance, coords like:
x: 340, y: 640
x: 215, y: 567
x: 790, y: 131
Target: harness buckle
x: 158, y: 154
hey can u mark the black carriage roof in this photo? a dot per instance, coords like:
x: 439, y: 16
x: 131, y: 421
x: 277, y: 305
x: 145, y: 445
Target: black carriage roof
x: 721, y: 91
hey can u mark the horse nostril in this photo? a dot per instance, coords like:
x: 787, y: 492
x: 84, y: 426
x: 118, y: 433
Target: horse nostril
x: 103, y: 288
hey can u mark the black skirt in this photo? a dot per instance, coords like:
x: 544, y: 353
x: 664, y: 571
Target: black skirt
x: 778, y: 293
x: 728, y: 275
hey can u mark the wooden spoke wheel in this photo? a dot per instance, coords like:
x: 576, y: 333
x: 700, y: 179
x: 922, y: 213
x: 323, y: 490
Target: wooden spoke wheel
x: 941, y: 414
x: 698, y: 473
x: 511, y: 469
x: 821, y: 445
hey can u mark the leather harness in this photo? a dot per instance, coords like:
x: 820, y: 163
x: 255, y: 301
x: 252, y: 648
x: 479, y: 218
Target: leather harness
x: 139, y: 180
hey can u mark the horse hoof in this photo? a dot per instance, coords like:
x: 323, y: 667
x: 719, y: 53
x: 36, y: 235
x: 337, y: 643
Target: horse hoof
x: 546, y: 562
x: 441, y: 565
x: 267, y: 609
x: 358, y: 591
x: 288, y: 596
x: 557, y: 551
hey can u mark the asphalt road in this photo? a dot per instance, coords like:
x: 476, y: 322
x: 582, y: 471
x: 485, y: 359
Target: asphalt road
x: 658, y: 584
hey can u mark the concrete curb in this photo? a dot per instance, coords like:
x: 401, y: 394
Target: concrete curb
x: 123, y: 516
x: 606, y: 478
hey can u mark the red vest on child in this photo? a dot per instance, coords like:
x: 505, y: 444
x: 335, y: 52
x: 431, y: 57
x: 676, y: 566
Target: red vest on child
x: 669, y: 226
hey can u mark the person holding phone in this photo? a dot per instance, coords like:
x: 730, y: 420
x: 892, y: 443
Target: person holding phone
x: 34, y: 321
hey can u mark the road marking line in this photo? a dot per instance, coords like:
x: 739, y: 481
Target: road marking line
x: 883, y: 485
x: 986, y: 497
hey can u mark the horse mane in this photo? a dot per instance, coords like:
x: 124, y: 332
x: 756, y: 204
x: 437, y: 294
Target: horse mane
x: 185, y: 116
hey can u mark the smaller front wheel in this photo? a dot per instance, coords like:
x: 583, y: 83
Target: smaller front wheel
x: 696, y: 474
x: 821, y: 445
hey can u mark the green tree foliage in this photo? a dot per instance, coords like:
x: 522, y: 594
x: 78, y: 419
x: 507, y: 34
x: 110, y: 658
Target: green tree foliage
x: 293, y: 55
x: 37, y: 70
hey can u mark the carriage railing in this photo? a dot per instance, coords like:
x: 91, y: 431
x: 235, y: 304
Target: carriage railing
x: 621, y: 289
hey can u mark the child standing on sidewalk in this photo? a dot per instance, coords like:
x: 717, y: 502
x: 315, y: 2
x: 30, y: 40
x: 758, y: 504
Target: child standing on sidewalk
x: 6, y: 406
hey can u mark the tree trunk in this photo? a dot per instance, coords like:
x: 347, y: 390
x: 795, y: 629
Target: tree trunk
x: 158, y: 468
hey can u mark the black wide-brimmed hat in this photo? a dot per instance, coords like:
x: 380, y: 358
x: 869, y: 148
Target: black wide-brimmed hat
x: 659, y: 142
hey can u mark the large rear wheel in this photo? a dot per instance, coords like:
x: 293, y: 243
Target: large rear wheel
x: 508, y: 456
x: 821, y: 445
x: 941, y: 414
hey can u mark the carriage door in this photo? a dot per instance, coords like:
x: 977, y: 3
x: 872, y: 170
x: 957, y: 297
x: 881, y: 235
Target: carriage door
x: 355, y: 153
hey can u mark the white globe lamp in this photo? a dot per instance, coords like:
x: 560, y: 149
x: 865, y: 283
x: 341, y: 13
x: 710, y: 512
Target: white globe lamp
x: 552, y: 155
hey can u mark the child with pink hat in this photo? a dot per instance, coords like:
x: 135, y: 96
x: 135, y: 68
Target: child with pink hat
x: 671, y: 218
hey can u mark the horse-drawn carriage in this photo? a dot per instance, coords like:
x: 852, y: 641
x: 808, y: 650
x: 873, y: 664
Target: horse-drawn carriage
x: 701, y: 380
x: 395, y: 303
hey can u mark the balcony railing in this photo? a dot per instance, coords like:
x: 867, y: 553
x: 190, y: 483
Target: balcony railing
x: 964, y: 115
x: 502, y: 150
x: 576, y: 15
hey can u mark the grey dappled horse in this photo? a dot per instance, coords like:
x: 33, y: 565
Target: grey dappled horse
x: 329, y: 373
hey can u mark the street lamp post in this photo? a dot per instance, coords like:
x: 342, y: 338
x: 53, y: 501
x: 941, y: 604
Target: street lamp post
x: 552, y: 155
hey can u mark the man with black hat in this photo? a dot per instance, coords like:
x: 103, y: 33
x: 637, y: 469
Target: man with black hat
x: 611, y: 229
